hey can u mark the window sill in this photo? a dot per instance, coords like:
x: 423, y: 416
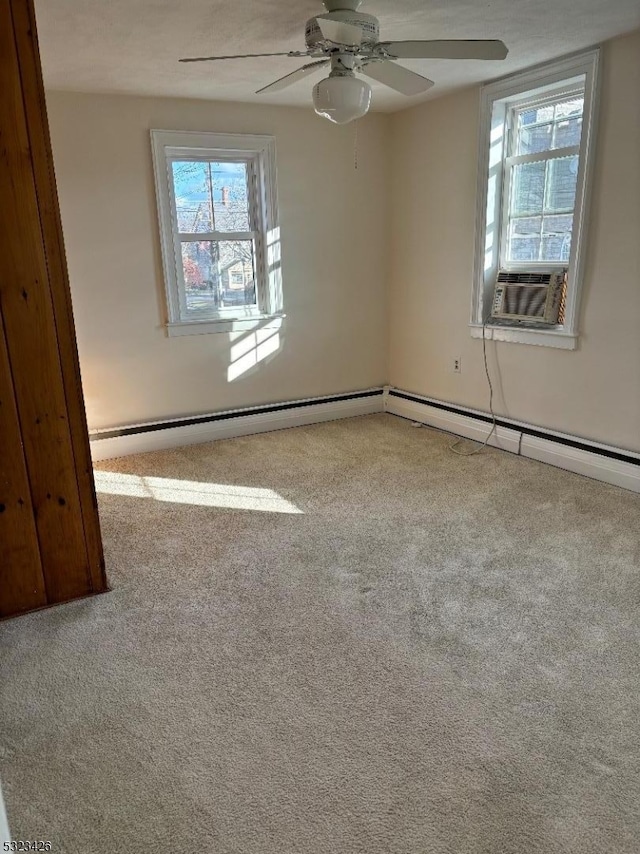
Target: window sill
x: 205, y: 327
x: 538, y: 337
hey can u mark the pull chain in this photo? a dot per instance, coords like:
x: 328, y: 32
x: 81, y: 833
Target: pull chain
x: 355, y: 145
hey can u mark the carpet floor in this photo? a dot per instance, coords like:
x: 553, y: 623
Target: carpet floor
x: 343, y: 639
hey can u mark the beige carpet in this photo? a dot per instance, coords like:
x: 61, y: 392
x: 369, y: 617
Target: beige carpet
x: 380, y: 648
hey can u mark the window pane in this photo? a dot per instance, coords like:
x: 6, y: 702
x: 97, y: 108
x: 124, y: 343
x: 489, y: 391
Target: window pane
x: 562, y: 175
x: 570, y: 107
x: 534, y: 139
x: 555, y: 248
x: 522, y: 248
x: 238, y: 273
x: 218, y: 274
x: 527, y: 195
x: 211, y: 196
x: 526, y: 226
x: 230, y: 198
x: 556, y: 238
x: 552, y: 126
x: 536, y: 115
x: 191, y: 192
x: 568, y: 132
x: 523, y: 239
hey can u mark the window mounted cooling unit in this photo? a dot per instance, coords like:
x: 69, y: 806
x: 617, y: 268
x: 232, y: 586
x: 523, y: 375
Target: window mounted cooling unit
x: 528, y: 297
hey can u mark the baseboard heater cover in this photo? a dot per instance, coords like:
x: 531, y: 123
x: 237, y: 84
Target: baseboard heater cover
x: 601, y: 462
x: 160, y: 435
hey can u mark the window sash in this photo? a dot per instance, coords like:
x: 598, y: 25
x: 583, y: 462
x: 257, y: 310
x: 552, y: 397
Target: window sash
x: 215, y: 236
x: 511, y: 160
x: 507, y: 217
x: 187, y: 313
x: 251, y: 160
x: 538, y: 156
x: 554, y: 96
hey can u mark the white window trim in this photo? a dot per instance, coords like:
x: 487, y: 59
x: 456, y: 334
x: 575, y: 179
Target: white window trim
x: 202, y: 327
x: 166, y: 144
x: 494, y: 100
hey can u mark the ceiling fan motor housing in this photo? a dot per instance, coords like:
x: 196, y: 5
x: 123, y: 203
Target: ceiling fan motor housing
x: 367, y: 23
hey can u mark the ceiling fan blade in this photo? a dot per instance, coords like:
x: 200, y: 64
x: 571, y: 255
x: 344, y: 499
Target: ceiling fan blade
x: 446, y: 49
x: 398, y: 78
x: 242, y: 56
x: 339, y: 32
x: 288, y: 79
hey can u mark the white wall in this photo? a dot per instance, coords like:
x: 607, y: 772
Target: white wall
x: 377, y: 264
x: 593, y: 392
x: 334, y: 223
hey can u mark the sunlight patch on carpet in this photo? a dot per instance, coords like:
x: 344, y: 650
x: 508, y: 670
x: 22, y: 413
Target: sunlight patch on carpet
x: 193, y: 492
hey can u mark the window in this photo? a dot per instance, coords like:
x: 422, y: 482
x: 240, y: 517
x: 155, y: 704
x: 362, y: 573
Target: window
x: 535, y: 163
x: 541, y: 171
x: 220, y: 241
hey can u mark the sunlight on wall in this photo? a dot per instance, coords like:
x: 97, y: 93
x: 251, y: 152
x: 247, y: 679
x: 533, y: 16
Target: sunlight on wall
x: 193, y: 492
x: 250, y: 348
x: 274, y: 268
x: 495, y: 161
x: 253, y: 347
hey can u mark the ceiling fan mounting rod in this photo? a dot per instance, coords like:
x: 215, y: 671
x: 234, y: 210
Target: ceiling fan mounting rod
x: 341, y: 5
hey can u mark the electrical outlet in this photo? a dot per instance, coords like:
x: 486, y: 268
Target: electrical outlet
x: 457, y: 365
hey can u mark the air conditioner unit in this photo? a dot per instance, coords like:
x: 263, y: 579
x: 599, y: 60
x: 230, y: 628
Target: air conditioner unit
x: 528, y: 297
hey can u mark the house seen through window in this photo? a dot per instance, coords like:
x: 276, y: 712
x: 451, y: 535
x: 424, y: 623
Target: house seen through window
x: 218, y: 226
x: 214, y: 220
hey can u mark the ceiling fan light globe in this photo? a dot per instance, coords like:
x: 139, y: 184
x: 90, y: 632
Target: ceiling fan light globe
x: 342, y: 99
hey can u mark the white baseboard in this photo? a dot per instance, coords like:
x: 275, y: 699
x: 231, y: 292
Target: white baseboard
x: 588, y: 463
x: 140, y: 439
x: 592, y: 459
x: 452, y: 422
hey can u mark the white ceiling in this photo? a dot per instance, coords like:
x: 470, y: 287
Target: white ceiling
x: 132, y: 46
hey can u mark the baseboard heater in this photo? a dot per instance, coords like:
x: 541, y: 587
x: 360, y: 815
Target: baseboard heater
x: 599, y: 461
x: 171, y: 433
x: 602, y: 462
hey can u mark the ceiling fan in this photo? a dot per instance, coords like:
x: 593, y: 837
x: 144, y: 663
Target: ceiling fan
x: 349, y: 42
